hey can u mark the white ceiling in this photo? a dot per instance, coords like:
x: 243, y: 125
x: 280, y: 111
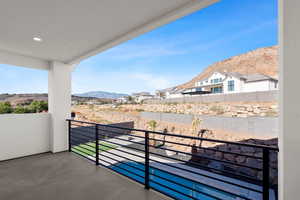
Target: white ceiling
x: 73, y: 30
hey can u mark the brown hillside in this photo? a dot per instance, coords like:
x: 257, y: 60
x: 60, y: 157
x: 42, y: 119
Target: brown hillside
x: 263, y: 61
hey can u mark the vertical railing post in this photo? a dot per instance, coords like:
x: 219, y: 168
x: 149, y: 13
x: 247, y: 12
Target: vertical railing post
x: 69, y: 135
x: 97, y: 144
x: 266, y: 174
x: 147, y: 172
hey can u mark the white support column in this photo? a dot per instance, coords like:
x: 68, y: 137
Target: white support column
x: 289, y: 138
x: 59, y: 83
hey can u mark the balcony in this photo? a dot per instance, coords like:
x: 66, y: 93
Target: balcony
x: 117, y: 162
x: 68, y: 35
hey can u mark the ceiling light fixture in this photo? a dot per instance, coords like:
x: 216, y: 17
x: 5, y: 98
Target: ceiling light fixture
x: 37, y: 39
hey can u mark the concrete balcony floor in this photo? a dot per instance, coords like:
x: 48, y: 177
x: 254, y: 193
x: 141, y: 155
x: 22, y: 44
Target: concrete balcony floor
x: 65, y: 176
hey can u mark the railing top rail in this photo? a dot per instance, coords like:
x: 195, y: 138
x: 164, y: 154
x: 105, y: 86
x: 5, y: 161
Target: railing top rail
x: 273, y: 148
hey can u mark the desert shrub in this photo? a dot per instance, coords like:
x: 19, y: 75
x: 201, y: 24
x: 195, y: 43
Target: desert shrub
x: 152, y: 125
x: 5, y: 107
x: 217, y: 109
x: 271, y: 113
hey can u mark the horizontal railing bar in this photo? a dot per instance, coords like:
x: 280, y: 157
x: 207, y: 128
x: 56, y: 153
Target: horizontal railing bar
x: 198, y: 174
x: 126, y: 140
x: 183, y: 136
x: 76, y: 148
x: 203, y: 157
x: 209, y: 177
x: 192, y: 154
x: 124, y: 151
x: 185, y: 186
x: 194, y: 163
x: 114, y: 132
x: 207, y: 148
x: 83, y: 156
x: 125, y: 146
x: 187, y: 145
x: 83, y: 153
x: 82, y: 133
x: 213, y: 149
x: 83, y: 137
x: 84, y: 127
x: 208, y: 158
x: 124, y: 158
x: 115, y: 165
x: 74, y: 139
x: 205, y: 167
x: 108, y: 151
x: 224, y: 171
x: 215, y: 170
x: 119, y: 161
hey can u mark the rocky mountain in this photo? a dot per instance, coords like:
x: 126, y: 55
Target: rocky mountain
x: 102, y: 94
x: 262, y: 60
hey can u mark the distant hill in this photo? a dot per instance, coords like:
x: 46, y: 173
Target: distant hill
x: 24, y: 99
x: 102, y: 94
x: 262, y: 60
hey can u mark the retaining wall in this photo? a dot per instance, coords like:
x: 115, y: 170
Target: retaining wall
x: 257, y: 126
x: 265, y: 96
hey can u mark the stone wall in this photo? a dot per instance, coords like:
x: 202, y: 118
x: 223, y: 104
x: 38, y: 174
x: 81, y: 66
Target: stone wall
x: 269, y: 109
x: 245, y: 160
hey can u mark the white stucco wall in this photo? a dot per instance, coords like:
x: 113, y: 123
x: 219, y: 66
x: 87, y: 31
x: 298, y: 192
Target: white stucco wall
x: 238, y: 85
x: 259, y: 86
x: 177, y: 95
x: 59, y: 100
x: 24, y: 134
x: 215, y: 75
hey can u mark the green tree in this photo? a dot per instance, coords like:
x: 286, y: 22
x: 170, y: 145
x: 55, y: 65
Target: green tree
x: 38, y: 106
x: 22, y: 109
x: 5, y: 107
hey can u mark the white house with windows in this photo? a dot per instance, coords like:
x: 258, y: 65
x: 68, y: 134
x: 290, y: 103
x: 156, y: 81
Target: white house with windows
x: 141, y: 96
x: 233, y: 82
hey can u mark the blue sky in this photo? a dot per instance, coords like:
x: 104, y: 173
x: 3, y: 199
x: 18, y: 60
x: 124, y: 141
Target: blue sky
x: 165, y: 57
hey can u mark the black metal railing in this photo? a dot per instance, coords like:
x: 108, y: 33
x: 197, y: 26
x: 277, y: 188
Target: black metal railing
x: 156, y: 159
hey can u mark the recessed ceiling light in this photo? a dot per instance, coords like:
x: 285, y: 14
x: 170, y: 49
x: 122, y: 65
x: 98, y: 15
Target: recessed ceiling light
x: 37, y: 39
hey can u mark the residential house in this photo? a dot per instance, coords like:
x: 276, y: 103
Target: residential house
x: 124, y: 99
x: 165, y: 92
x: 141, y: 96
x: 233, y: 82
